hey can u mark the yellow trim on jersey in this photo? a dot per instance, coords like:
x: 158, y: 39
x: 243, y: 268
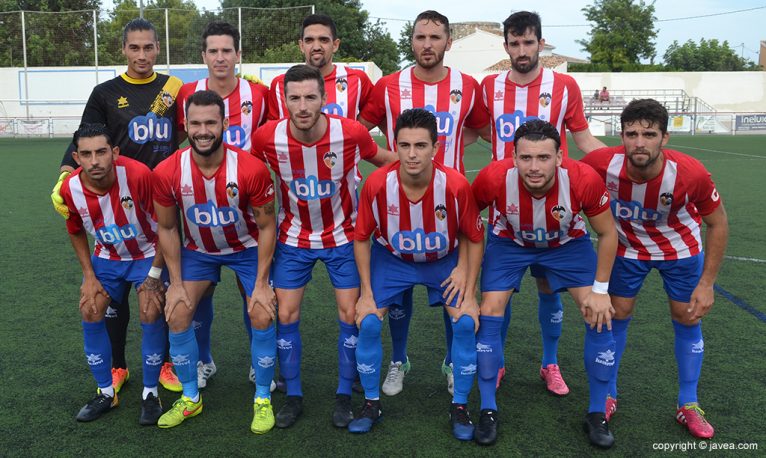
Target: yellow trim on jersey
x: 167, y: 96
x: 139, y: 81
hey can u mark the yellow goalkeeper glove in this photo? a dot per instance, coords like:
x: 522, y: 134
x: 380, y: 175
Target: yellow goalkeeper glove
x: 58, y: 201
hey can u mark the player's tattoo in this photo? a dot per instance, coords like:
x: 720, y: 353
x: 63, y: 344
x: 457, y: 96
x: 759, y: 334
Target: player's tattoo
x: 269, y: 208
x: 257, y: 212
x: 152, y: 284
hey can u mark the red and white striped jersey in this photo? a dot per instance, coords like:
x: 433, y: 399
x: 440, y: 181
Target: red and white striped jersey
x: 455, y: 101
x: 217, y: 211
x: 553, y: 97
x: 658, y: 219
x: 245, y: 108
x: 317, y: 183
x: 347, y: 89
x: 546, y: 222
x: 421, y: 231
x: 122, y: 220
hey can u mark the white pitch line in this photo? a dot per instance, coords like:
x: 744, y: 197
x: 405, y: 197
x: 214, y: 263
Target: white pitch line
x: 733, y: 258
x: 680, y: 147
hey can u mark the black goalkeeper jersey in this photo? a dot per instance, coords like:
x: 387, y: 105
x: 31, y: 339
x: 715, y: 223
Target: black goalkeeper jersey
x: 139, y: 115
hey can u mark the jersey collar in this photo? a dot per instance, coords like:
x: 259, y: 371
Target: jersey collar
x: 139, y: 81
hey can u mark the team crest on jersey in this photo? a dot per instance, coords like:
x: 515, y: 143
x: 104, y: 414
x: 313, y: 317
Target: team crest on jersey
x: 405, y: 94
x: 247, y: 107
x: 558, y: 212
x: 604, y: 199
x: 122, y: 102
x: 341, y: 84
x: 666, y: 198
x: 187, y: 190
x: 393, y: 210
x: 479, y: 223
x: 512, y: 209
x: 441, y: 212
x: 232, y: 189
x: 498, y: 96
x: 544, y: 99
x: 456, y: 95
x: 127, y: 202
x: 167, y: 98
x: 329, y: 159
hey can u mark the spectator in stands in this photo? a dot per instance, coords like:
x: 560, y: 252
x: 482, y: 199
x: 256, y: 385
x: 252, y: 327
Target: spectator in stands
x: 596, y: 95
x: 603, y: 96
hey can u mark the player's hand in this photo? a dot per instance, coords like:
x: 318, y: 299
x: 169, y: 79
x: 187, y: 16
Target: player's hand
x: 90, y: 289
x: 175, y: 297
x: 701, y: 301
x: 151, y: 295
x: 365, y: 305
x: 455, y: 285
x: 263, y: 298
x: 58, y: 201
x: 470, y: 307
x: 598, y: 310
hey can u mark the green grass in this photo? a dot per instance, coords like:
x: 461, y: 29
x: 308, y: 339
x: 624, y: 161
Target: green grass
x: 44, y: 380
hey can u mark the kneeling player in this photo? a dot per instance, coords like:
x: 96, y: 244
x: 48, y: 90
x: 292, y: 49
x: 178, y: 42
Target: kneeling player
x: 226, y: 199
x: 110, y: 197
x: 418, y: 210
x: 658, y: 198
x: 538, y: 224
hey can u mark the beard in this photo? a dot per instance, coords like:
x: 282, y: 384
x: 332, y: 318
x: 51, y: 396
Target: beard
x: 528, y: 66
x: 438, y: 58
x: 206, y: 152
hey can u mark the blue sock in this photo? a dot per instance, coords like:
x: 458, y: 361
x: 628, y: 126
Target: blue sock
x: 246, y: 319
x: 447, y: 336
x: 263, y: 356
x: 347, y: 341
x: 489, y: 349
x: 620, y: 333
x: 399, y: 317
x: 203, y: 322
x: 98, y: 352
x: 289, y: 348
x: 550, y: 313
x: 464, y: 351
x: 185, y: 354
x: 599, y: 365
x: 369, y: 355
x: 690, y: 349
x: 504, y: 330
x: 153, y: 344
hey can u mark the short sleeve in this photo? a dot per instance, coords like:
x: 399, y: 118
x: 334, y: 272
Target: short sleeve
x: 470, y: 222
x: 259, y: 180
x: 374, y: 110
x: 162, y: 185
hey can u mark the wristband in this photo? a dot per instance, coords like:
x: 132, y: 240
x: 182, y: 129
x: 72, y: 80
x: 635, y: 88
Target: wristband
x: 155, y: 273
x: 601, y: 287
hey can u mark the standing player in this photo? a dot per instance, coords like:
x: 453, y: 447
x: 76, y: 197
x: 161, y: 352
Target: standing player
x: 455, y: 100
x: 110, y: 197
x: 538, y: 223
x: 347, y: 88
x: 245, y: 104
x: 226, y: 199
x: 659, y: 197
x: 138, y: 110
x: 417, y: 210
x: 314, y: 157
x: 529, y: 91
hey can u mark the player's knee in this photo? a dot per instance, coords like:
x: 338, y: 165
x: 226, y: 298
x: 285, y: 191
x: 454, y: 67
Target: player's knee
x: 682, y: 316
x: 464, y: 326
x: 371, y: 326
x: 89, y: 316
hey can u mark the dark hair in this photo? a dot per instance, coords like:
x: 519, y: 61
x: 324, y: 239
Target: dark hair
x: 415, y: 118
x: 206, y: 99
x: 303, y: 72
x: 90, y: 130
x: 320, y: 19
x: 537, y: 130
x: 137, y: 25
x: 648, y: 110
x: 518, y: 23
x: 220, y: 28
x: 435, y: 17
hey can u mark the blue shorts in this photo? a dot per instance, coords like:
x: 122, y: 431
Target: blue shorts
x: 292, y: 266
x: 679, y: 277
x: 571, y: 265
x: 196, y: 266
x: 392, y: 276
x: 116, y: 276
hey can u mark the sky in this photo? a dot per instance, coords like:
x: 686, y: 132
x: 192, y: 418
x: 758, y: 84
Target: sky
x: 564, y: 23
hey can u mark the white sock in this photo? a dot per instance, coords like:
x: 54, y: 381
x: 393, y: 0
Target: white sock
x: 148, y: 390
x: 195, y: 398
x: 107, y: 391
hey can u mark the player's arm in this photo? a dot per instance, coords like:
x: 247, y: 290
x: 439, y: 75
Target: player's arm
x: 382, y: 157
x: 91, y: 287
x: 365, y: 305
x: 365, y: 122
x: 263, y: 295
x: 716, y: 238
x: 170, y: 245
x: 586, y: 142
x: 151, y: 293
x: 598, y: 307
x: 471, y: 135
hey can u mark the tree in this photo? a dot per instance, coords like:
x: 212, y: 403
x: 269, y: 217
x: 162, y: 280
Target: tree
x: 405, y: 45
x: 623, y: 32
x: 708, y: 56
